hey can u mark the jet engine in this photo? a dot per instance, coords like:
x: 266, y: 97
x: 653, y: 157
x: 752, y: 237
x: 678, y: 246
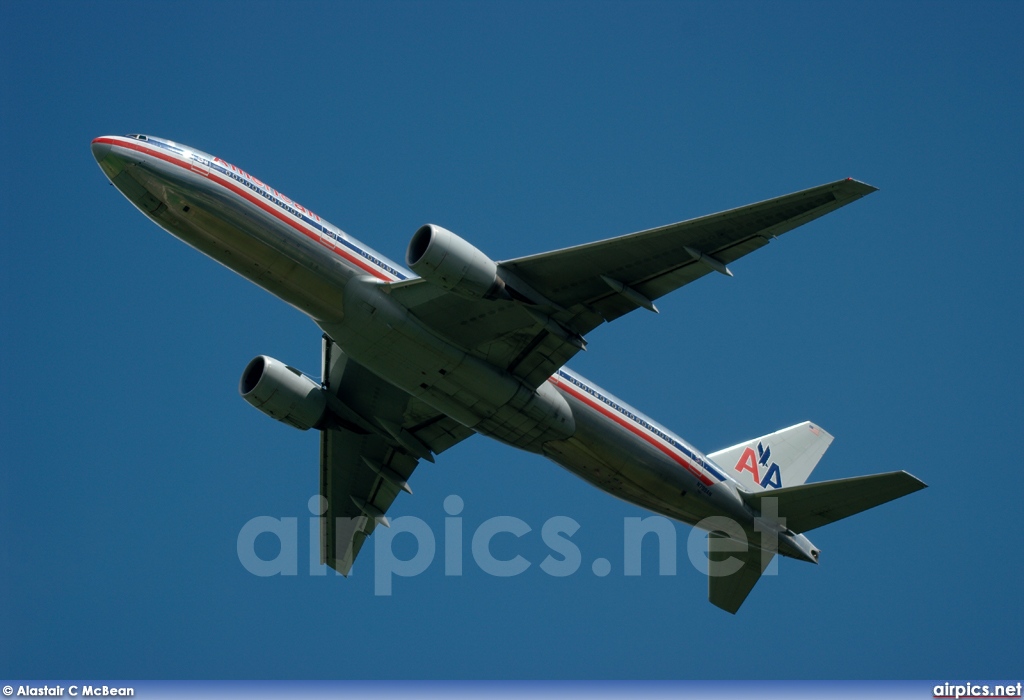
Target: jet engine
x: 283, y: 393
x: 441, y: 257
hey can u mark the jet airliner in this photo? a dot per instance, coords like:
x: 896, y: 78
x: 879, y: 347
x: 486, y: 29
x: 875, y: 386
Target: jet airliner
x: 418, y: 359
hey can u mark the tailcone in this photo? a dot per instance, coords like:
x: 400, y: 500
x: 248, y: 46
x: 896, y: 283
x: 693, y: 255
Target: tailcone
x: 798, y: 547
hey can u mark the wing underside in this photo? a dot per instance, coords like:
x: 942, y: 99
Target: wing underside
x: 576, y: 289
x: 365, y: 465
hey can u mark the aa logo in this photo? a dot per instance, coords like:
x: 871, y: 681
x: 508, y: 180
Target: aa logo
x: 753, y: 463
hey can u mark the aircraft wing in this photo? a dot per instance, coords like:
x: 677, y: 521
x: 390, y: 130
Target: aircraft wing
x: 586, y: 285
x: 366, y: 463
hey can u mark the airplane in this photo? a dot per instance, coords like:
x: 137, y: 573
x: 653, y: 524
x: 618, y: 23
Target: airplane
x: 417, y: 359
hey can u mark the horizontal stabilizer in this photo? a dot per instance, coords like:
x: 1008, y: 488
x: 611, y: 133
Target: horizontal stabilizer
x: 810, y: 506
x: 732, y: 574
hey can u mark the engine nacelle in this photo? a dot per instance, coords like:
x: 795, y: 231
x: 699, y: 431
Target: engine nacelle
x: 283, y: 393
x: 438, y: 255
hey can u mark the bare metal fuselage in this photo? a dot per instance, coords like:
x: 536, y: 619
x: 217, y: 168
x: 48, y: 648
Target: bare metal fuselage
x: 342, y: 285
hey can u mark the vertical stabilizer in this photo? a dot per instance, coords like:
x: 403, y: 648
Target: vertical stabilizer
x: 778, y: 460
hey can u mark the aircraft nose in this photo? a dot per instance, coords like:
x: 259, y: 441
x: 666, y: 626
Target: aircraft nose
x: 100, y: 149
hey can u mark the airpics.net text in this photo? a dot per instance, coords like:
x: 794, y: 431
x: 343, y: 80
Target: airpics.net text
x: 564, y: 558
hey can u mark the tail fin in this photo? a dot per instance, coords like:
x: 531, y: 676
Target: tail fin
x: 809, y: 506
x: 775, y: 461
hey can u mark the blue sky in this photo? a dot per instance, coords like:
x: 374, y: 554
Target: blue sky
x: 128, y: 463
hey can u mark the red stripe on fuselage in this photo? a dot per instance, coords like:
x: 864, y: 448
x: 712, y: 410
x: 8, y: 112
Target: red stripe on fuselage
x: 265, y: 206
x: 636, y: 430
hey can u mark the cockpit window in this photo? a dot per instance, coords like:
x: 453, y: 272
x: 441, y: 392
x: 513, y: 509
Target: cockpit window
x: 140, y: 137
